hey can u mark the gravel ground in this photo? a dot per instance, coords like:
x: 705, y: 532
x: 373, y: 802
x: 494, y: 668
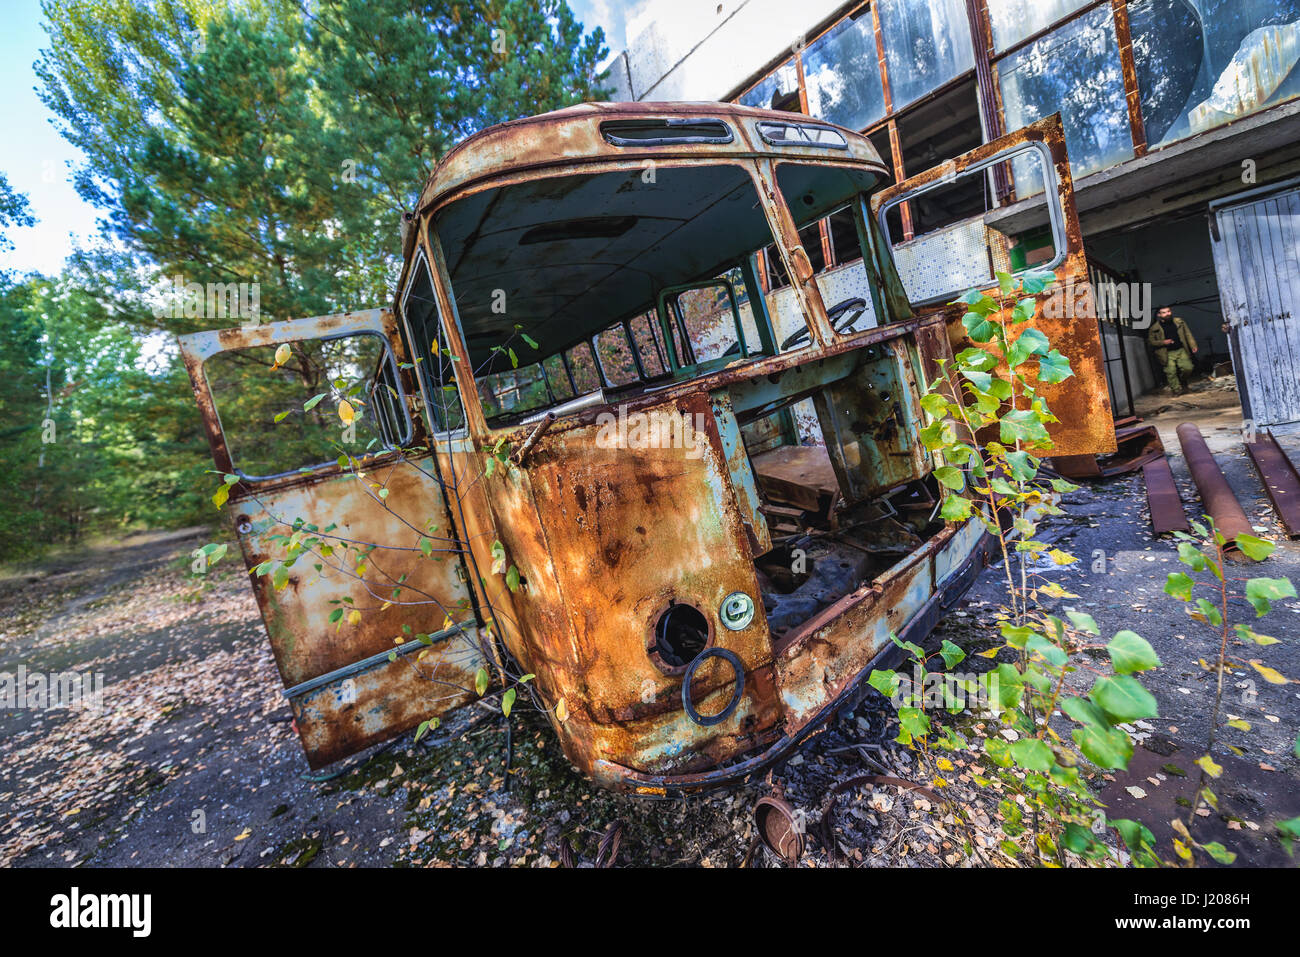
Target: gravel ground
x: 193, y: 761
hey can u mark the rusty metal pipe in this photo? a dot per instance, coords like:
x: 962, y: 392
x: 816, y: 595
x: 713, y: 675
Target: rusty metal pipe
x: 1217, y: 496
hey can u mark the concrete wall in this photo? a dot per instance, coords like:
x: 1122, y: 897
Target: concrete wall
x: 691, y: 50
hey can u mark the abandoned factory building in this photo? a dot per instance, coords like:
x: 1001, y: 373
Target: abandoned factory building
x: 1181, y: 118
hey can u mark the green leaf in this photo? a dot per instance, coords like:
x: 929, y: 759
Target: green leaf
x: 1010, y: 686
x: 914, y: 724
x: 1024, y: 310
x: 1261, y: 591
x: 1054, y: 367
x: 481, y: 681
x: 512, y: 578
x: 1134, y: 834
x: 1130, y: 652
x: 1035, y: 282
x: 1289, y: 831
x: 1123, y: 699
x: 950, y: 477
x: 1219, y: 852
x: 1022, y: 465
x: 1031, y: 342
x: 1108, y: 748
x: 1209, y: 612
x: 977, y: 359
x: 1083, y: 622
x: 1254, y: 548
x: 936, y: 404
x: 1180, y: 585
x: 978, y: 327
x: 955, y: 508
x: 1023, y: 425
x: 951, y: 654
x: 507, y: 701
x: 1032, y: 754
x: 426, y: 546
x: 1192, y: 557
x: 313, y: 402
x: 886, y: 682
x: 1044, y: 648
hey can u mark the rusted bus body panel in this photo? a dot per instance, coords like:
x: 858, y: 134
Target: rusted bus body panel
x: 820, y: 662
x: 1082, y: 403
x: 873, y: 421
x: 824, y: 669
x: 431, y: 590
x: 344, y: 692
x: 343, y: 712
x: 572, y: 137
x: 605, y: 532
x: 624, y: 532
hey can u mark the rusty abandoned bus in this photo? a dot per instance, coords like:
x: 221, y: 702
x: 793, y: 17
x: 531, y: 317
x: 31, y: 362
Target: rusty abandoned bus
x: 642, y: 423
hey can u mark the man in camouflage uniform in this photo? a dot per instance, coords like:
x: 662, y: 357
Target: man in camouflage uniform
x: 1173, y: 347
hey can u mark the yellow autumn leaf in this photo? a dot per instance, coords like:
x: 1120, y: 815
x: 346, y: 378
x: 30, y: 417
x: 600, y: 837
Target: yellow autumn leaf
x: 1271, y: 676
x: 354, y: 617
x: 1208, y: 765
x: 248, y: 831
x: 346, y: 413
x: 562, y: 711
x: 281, y: 356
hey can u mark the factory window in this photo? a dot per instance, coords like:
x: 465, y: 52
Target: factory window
x: 842, y: 73
x: 1202, y: 63
x: 927, y: 43
x: 1076, y: 70
x: 1017, y: 20
x: 779, y: 90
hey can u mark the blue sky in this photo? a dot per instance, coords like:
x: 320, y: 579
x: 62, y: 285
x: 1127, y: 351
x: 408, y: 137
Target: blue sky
x: 32, y: 153
x: 38, y: 160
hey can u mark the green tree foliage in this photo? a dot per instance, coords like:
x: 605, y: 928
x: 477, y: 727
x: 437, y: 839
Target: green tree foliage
x: 97, y: 436
x: 269, y: 143
x: 251, y: 141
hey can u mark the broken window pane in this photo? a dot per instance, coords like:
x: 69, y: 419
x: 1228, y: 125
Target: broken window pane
x: 282, y: 416
x: 927, y: 43
x: 1202, y: 63
x: 1075, y: 70
x: 616, y: 356
x: 842, y: 73
x: 710, y: 316
x: 583, y: 366
x: 779, y: 90
x: 962, y: 239
x: 648, y: 338
x: 557, y: 377
x: 816, y: 192
x: 432, y: 358
x: 518, y: 390
x: 1014, y: 20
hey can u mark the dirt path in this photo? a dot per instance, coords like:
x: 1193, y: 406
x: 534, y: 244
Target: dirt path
x: 193, y: 762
